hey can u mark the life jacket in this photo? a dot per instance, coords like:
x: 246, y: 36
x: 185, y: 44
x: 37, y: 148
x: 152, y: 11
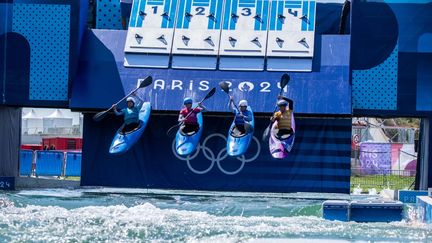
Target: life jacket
x: 284, y: 119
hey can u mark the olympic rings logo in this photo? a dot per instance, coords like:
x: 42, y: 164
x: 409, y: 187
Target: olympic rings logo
x: 215, y: 158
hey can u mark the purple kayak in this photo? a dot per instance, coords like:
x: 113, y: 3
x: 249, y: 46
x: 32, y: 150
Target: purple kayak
x: 280, y: 147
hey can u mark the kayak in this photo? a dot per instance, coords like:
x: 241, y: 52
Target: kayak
x: 186, y: 144
x: 238, y: 144
x: 123, y: 142
x: 279, y: 148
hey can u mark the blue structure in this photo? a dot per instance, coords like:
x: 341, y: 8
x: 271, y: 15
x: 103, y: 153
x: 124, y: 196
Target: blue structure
x: 49, y: 163
x: 363, y: 210
x: 73, y: 164
x: 26, y: 162
x: 66, y: 65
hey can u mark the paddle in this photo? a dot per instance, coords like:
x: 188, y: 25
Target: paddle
x: 209, y: 94
x: 146, y: 82
x: 283, y: 82
x: 225, y: 87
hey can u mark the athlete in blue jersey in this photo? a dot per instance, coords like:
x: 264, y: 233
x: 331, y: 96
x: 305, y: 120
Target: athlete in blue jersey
x: 130, y: 113
x: 241, y: 118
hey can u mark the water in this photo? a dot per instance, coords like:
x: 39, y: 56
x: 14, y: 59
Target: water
x: 92, y: 215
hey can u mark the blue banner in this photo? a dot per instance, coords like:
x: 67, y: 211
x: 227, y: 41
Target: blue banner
x: 103, y: 80
x: 318, y: 162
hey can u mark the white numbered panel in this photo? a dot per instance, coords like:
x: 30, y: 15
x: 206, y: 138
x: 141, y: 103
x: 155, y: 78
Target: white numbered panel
x: 198, y: 27
x: 291, y: 28
x: 151, y: 26
x: 244, y: 28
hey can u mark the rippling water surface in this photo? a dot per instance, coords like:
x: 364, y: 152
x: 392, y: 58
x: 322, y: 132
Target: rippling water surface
x: 86, y: 215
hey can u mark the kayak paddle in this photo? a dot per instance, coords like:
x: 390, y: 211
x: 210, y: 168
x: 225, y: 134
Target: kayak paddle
x: 225, y: 87
x: 209, y: 94
x: 146, y: 82
x: 283, y: 82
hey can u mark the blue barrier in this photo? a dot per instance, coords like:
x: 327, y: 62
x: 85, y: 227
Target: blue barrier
x: 26, y: 160
x: 73, y: 164
x: 49, y: 163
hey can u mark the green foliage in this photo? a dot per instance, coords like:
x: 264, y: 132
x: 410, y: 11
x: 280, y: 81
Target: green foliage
x: 380, y: 182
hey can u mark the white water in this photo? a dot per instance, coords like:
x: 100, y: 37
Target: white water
x: 69, y: 216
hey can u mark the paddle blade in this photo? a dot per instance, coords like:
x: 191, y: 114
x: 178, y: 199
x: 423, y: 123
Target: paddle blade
x: 146, y: 82
x: 100, y: 115
x: 224, y: 86
x: 266, y: 134
x: 210, y: 94
x: 284, y: 80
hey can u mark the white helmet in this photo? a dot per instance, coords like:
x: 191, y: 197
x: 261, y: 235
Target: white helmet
x: 243, y: 103
x: 130, y: 99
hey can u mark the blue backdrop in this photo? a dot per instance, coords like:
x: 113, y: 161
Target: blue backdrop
x: 102, y: 80
x: 319, y: 161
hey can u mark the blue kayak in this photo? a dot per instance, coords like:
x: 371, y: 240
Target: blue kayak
x: 123, y: 142
x: 237, y: 144
x: 186, y: 144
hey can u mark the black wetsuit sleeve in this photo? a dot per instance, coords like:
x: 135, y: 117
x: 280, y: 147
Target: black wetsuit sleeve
x: 290, y: 103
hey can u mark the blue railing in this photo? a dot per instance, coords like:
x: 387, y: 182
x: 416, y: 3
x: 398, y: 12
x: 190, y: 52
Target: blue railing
x: 50, y: 163
x: 73, y: 164
x: 26, y: 165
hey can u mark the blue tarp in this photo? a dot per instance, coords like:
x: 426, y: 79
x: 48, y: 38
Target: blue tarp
x: 73, y: 164
x: 49, y: 163
x: 26, y: 162
x: 319, y: 161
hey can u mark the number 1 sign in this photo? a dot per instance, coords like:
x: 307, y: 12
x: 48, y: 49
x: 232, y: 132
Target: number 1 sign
x: 151, y: 30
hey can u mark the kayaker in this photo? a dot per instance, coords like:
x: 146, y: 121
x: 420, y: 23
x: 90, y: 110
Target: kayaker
x: 188, y: 116
x: 130, y: 113
x: 283, y: 117
x: 243, y: 117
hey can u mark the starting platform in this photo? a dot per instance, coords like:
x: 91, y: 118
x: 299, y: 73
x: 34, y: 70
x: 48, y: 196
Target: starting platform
x: 363, y: 210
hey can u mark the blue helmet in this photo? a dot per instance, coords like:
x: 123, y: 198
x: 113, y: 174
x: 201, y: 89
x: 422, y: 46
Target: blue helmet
x: 282, y: 103
x: 187, y: 100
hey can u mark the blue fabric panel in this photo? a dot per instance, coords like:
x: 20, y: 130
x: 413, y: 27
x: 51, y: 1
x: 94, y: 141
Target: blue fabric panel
x: 376, y: 88
x: 73, y: 164
x: 15, y: 81
x: 326, y: 90
x: 50, y: 49
x: 26, y: 161
x: 424, y: 82
x: 319, y: 161
x: 49, y: 163
x: 108, y: 14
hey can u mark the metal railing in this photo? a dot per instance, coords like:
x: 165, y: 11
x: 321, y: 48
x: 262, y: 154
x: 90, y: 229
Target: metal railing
x: 382, y: 179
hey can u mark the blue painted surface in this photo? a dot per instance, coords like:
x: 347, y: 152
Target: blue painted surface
x: 26, y: 162
x: 364, y: 211
x: 336, y: 210
x: 49, y: 163
x: 424, y: 205
x: 407, y: 196
x: 123, y: 142
x: 73, y: 164
x: 326, y: 90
